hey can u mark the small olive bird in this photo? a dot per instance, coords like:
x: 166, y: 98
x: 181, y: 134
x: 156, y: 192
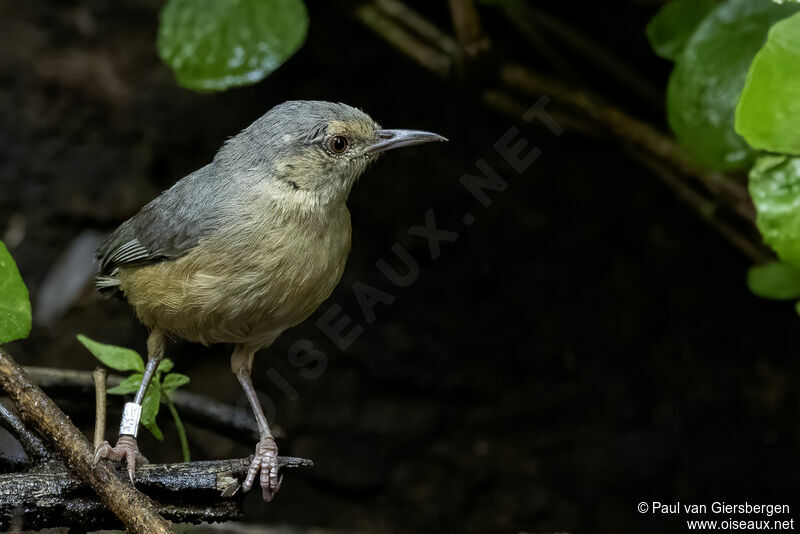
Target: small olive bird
x: 244, y: 248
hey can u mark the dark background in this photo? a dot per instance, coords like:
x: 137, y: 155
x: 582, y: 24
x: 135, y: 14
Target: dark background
x: 587, y: 344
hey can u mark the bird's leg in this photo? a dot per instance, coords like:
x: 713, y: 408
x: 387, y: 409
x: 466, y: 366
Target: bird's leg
x: 266, y: 457
x: 126, y: 446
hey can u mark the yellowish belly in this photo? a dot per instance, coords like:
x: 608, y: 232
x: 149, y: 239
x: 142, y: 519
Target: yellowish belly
x: 224, y: 292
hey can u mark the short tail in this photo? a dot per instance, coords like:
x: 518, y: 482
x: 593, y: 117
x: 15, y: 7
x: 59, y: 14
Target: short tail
x: 108, y: 285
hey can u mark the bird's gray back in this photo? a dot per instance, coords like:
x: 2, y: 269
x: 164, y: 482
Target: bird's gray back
x: 166, y: 228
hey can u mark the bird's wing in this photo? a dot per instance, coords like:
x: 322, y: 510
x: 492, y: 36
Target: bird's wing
x: 165, y: 229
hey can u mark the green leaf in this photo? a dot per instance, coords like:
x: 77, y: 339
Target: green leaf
x: 675, y: 23
x: 708, y: 78
x: 216, y: 44
x: 173, y: 381
x: 15, y: 307
x: 152, y: 426
x: 776, y: 280
x: 775, y: 189
x: 127, y: 386
x: 165, y: 366
x: 150, y: 405
x: 768, y: 112
x: 115, y: 357
x: 181, y: 431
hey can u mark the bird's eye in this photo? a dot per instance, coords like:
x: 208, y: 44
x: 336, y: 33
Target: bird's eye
x: 338, y: 144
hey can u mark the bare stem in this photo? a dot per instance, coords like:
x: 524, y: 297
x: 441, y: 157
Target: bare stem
x: 100, y: 375
x: 467, y: 25
x: 424, y: 53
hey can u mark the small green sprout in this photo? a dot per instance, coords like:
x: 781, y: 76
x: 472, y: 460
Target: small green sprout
x: 162, y: 386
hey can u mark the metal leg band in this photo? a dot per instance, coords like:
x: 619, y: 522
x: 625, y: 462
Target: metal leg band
x: 131, y: 415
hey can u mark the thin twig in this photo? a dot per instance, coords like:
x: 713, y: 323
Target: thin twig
x: 99, y: 375
x: 522, y: 15
x: 466, y: 22
x: 503, y: 102
x: 551, y: 52
x: 632, y: 130
x: 401, y: 38
x: 199, y: 409
x: 32, y: 444
x: 517, y: 79
x: 419, y: 25
x: 706, y: 209
x: 134, y: 509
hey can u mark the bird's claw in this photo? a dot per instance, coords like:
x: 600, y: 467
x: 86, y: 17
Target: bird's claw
x: 126, y: 448
x: 266, y: 463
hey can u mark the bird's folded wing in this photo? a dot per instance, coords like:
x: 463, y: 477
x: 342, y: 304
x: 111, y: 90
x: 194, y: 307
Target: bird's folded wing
x: 166, y: 228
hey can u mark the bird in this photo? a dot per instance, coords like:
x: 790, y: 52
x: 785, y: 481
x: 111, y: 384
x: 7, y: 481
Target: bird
x: 244, y: 248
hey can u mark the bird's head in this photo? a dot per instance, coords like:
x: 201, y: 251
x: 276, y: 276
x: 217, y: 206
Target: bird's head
x: 315, y: 149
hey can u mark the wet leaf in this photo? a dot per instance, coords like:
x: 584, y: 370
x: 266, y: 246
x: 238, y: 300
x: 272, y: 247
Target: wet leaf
x: 776, y: 280
x: 212, y: 45
x: 15, y: 306
x: 708, y: 78
x: 675, y: 23
x: 165, y: 366
x: 115, y: 357
x: 150, y: 406
x: 769, y: 109
x: 127, y: 386
x: 173, y: 381
x: 775, y: 189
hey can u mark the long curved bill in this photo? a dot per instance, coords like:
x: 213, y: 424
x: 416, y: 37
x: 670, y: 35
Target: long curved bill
x: 390, y: 139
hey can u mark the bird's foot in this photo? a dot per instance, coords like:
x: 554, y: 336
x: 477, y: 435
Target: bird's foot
x: 265, y: 462
x: 126, y: 448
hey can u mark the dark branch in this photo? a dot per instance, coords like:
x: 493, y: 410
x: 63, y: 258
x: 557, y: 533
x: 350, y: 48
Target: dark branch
x: 134, y: 509
x: 51, y: 496
x: 32, y: 444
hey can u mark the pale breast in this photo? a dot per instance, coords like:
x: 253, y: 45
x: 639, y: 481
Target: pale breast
x: 246, y: 285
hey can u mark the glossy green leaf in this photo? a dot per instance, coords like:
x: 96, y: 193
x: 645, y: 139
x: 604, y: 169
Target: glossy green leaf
x: 173, y: 381
x: 776, y: 280
x: 153, y: 428
x: 768, y: 113
x: 165, y: 366
x: 15, y: 306
x: 216, y: 44
x: 127, y: 386
x: 775, y: 189
x: 675, y: 23
x: 708, y: 78
x: 115, y: 357
x: 150, y: 405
